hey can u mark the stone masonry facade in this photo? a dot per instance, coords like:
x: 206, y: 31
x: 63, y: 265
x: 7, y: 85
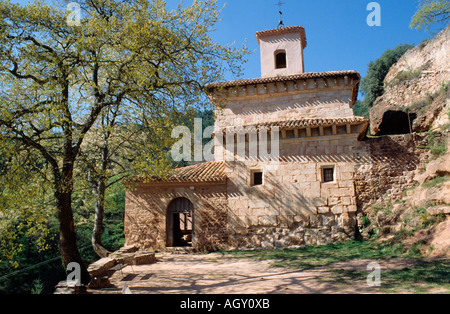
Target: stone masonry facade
x: 292, y: 208
x: 146, y: 210
x: 308, y: 196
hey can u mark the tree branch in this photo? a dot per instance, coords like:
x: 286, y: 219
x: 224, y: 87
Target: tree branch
x: 21, y: 137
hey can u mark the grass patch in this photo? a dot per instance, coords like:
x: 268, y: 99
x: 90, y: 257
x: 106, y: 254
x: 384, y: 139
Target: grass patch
x: 405, y: 192
x: 419, y: 278
x: 407, y: 75
x: 319, y: 256
x: 437, y: 144
x: 436, y: 181
x: 423, y: 277
x: 438, y: 151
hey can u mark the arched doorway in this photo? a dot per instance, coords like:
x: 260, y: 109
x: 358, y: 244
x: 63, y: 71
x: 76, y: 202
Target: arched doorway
x: 180, y: 222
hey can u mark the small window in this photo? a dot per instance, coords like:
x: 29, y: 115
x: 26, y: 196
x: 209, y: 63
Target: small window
x: 256, y: 178
x: 328, y: 175
x: 280, y: 60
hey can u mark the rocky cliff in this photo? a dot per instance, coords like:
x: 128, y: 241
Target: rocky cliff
x: 407, y: 202
x: 417, y: 96
x: 406, y: 195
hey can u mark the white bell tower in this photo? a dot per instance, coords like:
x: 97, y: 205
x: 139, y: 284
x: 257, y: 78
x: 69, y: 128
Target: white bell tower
x: 282, y: 51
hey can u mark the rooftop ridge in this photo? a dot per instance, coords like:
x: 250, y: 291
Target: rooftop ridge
x: 306, y: 122
x: 307, y: 75
x: 211, y: 171
x: 283, y: 31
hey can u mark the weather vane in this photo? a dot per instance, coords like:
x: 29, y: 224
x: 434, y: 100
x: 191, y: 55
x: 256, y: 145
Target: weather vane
x: 280, y: 4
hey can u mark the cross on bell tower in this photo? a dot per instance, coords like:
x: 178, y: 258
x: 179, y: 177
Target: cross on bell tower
x: 280, y: 4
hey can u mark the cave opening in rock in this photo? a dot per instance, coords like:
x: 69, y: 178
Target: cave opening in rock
x: 396, y: 122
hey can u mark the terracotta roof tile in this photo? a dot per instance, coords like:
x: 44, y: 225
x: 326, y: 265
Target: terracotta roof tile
x: 283, y: 31
x: 309, y: 122
x: 213, y: 171
x: 309, y: 75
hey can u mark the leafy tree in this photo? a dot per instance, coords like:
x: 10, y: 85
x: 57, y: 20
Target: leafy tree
x: 59, y: 80
x: 207, y: 117
x: 372, y: 85
x: 114, y: 150
x: 26, y: 196
x: 361, y: 109
x: 431, y: 13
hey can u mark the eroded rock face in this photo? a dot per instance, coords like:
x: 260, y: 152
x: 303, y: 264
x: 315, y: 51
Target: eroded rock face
x: 439, y: 167
x: 415, y: 95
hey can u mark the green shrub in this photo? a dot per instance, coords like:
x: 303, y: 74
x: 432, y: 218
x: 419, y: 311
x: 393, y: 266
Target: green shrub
x: 407, y: 75
x: 365, y: 221
x: 361, y: 109
x: 372, y: 85
x: 421, y: 105
x: 437, y: 144
x: 38, y: 287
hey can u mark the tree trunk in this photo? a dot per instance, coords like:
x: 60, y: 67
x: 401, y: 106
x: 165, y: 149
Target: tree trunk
x: 67, y: 237
x: 100, y: 206
x: 98, y: 222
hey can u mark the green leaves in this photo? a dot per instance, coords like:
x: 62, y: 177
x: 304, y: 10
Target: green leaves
x: 124, y: 78
x: 372, y: 85
x: 431, y: 13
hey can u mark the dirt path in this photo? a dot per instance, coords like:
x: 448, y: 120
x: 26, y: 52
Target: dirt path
x: 218, y: 274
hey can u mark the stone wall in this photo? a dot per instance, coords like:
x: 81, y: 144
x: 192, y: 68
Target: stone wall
x: 320, y: 102
x: 294, y: 206
x: 390, y: 169
x: 146, y: 208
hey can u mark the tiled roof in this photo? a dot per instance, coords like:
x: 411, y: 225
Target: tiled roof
x: 283, y: 31
x: 308, y: 122
x: 303, y: 76
x: 313, y: 122
x: 212, y: 171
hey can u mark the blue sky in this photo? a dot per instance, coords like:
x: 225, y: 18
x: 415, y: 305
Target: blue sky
x: 336, y: 30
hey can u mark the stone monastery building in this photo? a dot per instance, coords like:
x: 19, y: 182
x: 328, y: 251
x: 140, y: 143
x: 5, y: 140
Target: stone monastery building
x: 305, y: 197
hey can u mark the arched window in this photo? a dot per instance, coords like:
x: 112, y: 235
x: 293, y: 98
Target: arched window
x: 280, y: 59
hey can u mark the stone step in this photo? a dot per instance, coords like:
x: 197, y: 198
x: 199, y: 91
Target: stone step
x: 102, y: 266
x: 180, y: 250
